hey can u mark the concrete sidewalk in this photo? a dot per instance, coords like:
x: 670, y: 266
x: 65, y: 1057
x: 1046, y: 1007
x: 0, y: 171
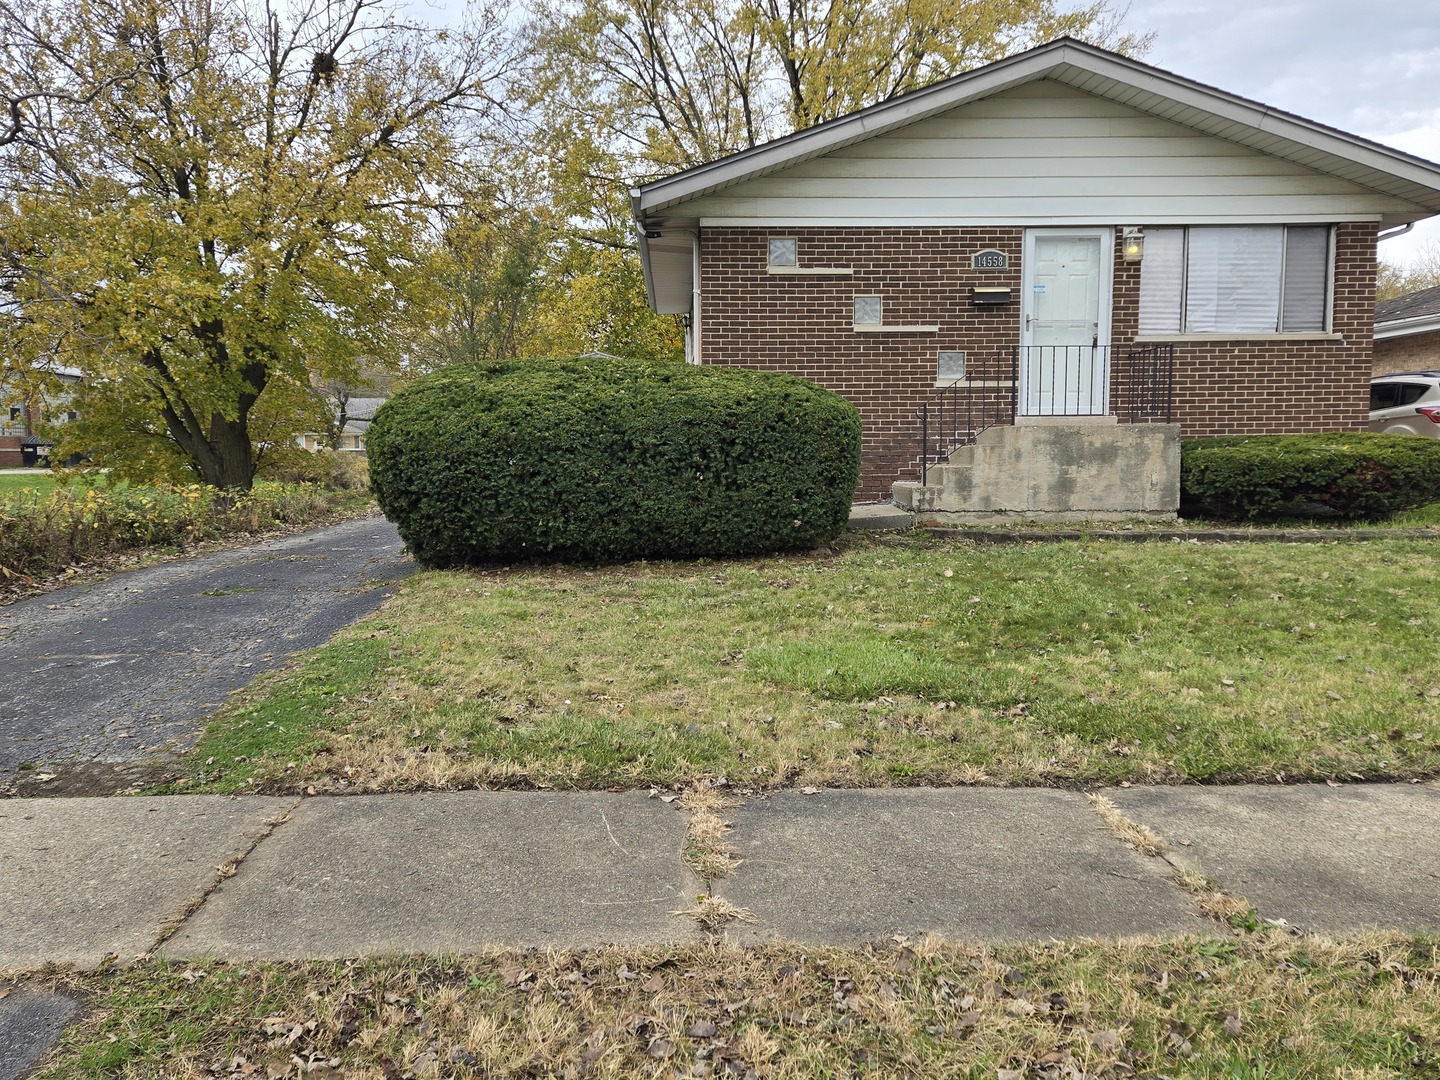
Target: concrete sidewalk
x: 83, y: 879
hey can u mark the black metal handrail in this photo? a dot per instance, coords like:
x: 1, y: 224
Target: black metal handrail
x: 1136, y: 385
x: 955, y: 414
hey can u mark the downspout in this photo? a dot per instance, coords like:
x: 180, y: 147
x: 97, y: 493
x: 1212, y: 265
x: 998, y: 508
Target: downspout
x: 692, y: 331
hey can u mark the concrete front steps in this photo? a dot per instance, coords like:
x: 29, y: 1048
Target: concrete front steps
x: 1054, y: 469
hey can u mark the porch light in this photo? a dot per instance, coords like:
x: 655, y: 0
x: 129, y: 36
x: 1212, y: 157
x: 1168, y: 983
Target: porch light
x: 1133, y: 243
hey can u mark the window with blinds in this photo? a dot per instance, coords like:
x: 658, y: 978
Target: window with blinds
x: 1235, y: 279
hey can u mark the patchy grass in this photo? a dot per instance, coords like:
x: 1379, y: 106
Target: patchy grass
x: 893, y: 661
x: 1420, y: 517
x: 1245, y: 1007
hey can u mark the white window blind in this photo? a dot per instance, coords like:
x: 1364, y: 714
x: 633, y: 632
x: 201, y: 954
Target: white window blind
x: 1162, y: 281
x: 1233, y: 280
x: 1307, y: 261
x: 1249, y: 279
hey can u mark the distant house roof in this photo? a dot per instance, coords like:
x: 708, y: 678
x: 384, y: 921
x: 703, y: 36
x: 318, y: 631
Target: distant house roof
x: 1414, y: 313
x: 363, y: 408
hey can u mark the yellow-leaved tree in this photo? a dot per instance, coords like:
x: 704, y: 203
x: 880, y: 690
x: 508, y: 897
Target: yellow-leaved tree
x: 213, y: 207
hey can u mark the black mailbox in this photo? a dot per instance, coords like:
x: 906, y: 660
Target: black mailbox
x: 989, y: 295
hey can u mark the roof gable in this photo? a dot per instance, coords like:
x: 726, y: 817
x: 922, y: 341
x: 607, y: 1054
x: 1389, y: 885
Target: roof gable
x: 1147, y: 90
x: 1035, y: 154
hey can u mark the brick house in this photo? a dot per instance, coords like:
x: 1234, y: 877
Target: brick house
x: 1067, y: 243
x: 1407, y: 332
x: 24, y: 413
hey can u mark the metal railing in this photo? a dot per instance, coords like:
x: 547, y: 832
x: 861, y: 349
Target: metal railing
x: 1135, y: 384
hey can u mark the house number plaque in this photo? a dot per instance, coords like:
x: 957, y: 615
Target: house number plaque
x: 989, y: 260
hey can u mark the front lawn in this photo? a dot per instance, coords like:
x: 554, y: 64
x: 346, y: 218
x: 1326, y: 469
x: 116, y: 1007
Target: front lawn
x: 891, y: 660
x: 38, y: 483
x: 1253, y: 1007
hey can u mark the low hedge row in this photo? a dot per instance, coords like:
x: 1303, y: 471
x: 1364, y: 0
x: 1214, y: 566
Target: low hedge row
x: 44, y: 532
x: 1351, y: 475
x: 603, y: 460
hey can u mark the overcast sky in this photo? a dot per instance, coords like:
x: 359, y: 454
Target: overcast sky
x: 1371, y: 68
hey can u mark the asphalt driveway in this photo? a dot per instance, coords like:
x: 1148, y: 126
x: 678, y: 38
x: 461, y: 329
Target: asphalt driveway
x: 120, y: 672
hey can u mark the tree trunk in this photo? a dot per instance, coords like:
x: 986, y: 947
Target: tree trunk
x: 231, y: 464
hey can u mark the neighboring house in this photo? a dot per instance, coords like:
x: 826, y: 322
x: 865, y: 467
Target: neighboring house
x: 1407, y: 332
x: 359, y: 411
x: 25, y: 414
x: 1049, y: 247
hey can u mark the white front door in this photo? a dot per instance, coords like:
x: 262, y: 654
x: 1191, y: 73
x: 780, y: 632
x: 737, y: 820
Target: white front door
x: 1065, y: 322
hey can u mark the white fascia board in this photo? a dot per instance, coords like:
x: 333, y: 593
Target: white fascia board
x: 1018, y: 220
x: 1076, y: 63
x: 1421, y: 324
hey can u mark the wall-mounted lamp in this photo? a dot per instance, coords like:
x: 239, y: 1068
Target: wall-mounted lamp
x: 1133, y: 243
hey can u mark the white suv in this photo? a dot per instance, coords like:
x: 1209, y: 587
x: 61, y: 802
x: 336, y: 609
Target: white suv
x: 1406, y: 403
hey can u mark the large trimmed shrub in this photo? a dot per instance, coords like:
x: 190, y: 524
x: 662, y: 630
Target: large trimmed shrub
x: 1345, y: 475
x: 602, y: 460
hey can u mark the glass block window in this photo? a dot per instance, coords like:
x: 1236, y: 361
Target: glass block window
x: 783, y: 251
x: 868, y: 310
x: 951, y: 365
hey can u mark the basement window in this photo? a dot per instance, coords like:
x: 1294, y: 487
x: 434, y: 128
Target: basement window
x: 783, y: 251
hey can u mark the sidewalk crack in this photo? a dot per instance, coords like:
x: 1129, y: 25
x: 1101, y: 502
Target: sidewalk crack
x: 709, y: 855
x: 227, y: 869
x: 1234, y: 913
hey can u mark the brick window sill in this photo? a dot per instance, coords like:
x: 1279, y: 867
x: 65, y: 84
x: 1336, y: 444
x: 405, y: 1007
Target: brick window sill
x: 810, y: 271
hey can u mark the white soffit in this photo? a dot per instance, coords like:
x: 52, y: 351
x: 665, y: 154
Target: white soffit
x: 1150, y: 90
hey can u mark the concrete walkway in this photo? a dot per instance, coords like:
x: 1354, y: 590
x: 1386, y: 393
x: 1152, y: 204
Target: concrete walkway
x: 83, y: 879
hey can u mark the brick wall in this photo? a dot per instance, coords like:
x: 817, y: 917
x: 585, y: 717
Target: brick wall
x: 10, y: 456
x: 1415, y: 352
x: 803, y: 325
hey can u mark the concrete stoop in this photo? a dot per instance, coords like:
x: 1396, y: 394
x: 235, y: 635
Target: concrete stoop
x: 1065, y: 469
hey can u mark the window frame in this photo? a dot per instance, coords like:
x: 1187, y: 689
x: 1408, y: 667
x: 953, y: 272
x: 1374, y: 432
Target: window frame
x: 1184, y: 333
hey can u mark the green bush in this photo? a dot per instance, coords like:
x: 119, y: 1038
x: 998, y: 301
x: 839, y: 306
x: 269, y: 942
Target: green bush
x: 603, y: 460
x: 1344, y: 475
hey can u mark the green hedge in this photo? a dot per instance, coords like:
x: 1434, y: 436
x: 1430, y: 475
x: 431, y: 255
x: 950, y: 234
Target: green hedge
x: 605, y: 460
x: 1345, y: 475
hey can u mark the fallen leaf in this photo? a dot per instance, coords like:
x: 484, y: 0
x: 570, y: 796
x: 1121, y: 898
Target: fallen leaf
x: 1107, y: 1042
x: 654, y: 984
x: 701, y: 1029
x: 660, y: 1049
x: 1232, y: 1026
